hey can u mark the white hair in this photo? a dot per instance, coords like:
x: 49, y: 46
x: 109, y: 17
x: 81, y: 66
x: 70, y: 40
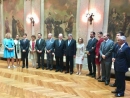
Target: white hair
x: 60, y: 34
x: 122, y: 38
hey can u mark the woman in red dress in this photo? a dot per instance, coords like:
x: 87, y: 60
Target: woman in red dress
x: 100, y: 34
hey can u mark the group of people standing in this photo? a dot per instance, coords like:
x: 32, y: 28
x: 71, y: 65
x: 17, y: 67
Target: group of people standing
x: 100, y: 54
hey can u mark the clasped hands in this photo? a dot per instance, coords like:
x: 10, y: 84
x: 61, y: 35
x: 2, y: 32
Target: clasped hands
x: 87, y: 52
x: 10, y: 49
x: 39, y: 51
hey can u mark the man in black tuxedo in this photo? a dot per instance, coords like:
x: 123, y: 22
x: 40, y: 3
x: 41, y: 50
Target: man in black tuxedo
x: 59, y: 46
x: 122, y: 63
x: 40, y: 48
x: 70, y: 52
x: 90, y: 48
x: 24, y: 44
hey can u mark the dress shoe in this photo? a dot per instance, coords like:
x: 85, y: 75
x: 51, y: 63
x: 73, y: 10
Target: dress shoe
x: 56, y: 70
x: 47, y: 68
x: 27, y: 67
x: 119, y: 95
x: 112, y: 85
x: 71, y: 73
x: 106, y: 82
x: 61, y: 70
x: 23, y: 66
x: 89, y: 74
x: 51, y: 69
x: 37, y: 67
x: 93, y: 76
x: 101, y: 80
x: 66, y: 72
x: 43, y: 68
x: 114, y: 91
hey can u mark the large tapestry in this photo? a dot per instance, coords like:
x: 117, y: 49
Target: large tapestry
x: 119, y: 18
x: 60, y: 17
x: 14, y: 17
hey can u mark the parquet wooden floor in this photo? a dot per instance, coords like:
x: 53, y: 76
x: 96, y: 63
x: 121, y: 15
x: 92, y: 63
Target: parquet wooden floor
x: 38, y: 83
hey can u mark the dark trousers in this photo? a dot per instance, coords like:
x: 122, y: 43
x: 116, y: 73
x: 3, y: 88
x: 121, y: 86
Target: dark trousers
x: 40, y: 56
x: 120, y: 82
x: 91, y: 64
x: 106, y: 70
x: 59, y: 63
x: 69, y: 60
x: 115, y: 77
x: 25, y: 57
x: 49, y: 60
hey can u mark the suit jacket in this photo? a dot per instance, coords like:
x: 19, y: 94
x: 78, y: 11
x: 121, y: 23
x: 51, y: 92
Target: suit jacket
x: 91, y: 46
x: 106, y: 49
x: 115, y: 49
x: 59, y: 49
x: 24, y: 45
x: 122, y: 61
x: 40, y: 46
x: 49, y: 44
x: 71, y: 49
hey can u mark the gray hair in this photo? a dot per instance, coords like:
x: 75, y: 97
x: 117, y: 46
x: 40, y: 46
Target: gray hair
x: 123, y: 38
x: 70, y: 34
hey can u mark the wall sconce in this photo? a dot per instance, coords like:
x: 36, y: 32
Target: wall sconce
x: 32, y: 21
x: 90, y: 17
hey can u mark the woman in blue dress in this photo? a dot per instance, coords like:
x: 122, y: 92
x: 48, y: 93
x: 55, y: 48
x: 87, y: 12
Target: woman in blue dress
x: 9, y: 49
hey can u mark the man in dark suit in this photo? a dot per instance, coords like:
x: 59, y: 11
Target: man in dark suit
x: 70, y: 52
x: 106, y: 58
x: 59, y: 46
x: 90, y: 50
x: 122, y: 63
x: 24, y: 44
x: 114, y: 53
x: 40, y: 48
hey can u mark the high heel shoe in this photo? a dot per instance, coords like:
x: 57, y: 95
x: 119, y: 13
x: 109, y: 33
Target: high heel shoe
x: 77, y: 73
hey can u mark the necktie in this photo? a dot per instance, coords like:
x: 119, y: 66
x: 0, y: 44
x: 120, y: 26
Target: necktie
x: 104, y: 45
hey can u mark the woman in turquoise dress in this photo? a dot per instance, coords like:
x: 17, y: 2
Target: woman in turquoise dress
x: 9, y: 49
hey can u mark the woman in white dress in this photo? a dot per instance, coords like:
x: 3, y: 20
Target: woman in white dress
x: 79, y: 55
x: 17, y: 50
x: 32, y: 51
